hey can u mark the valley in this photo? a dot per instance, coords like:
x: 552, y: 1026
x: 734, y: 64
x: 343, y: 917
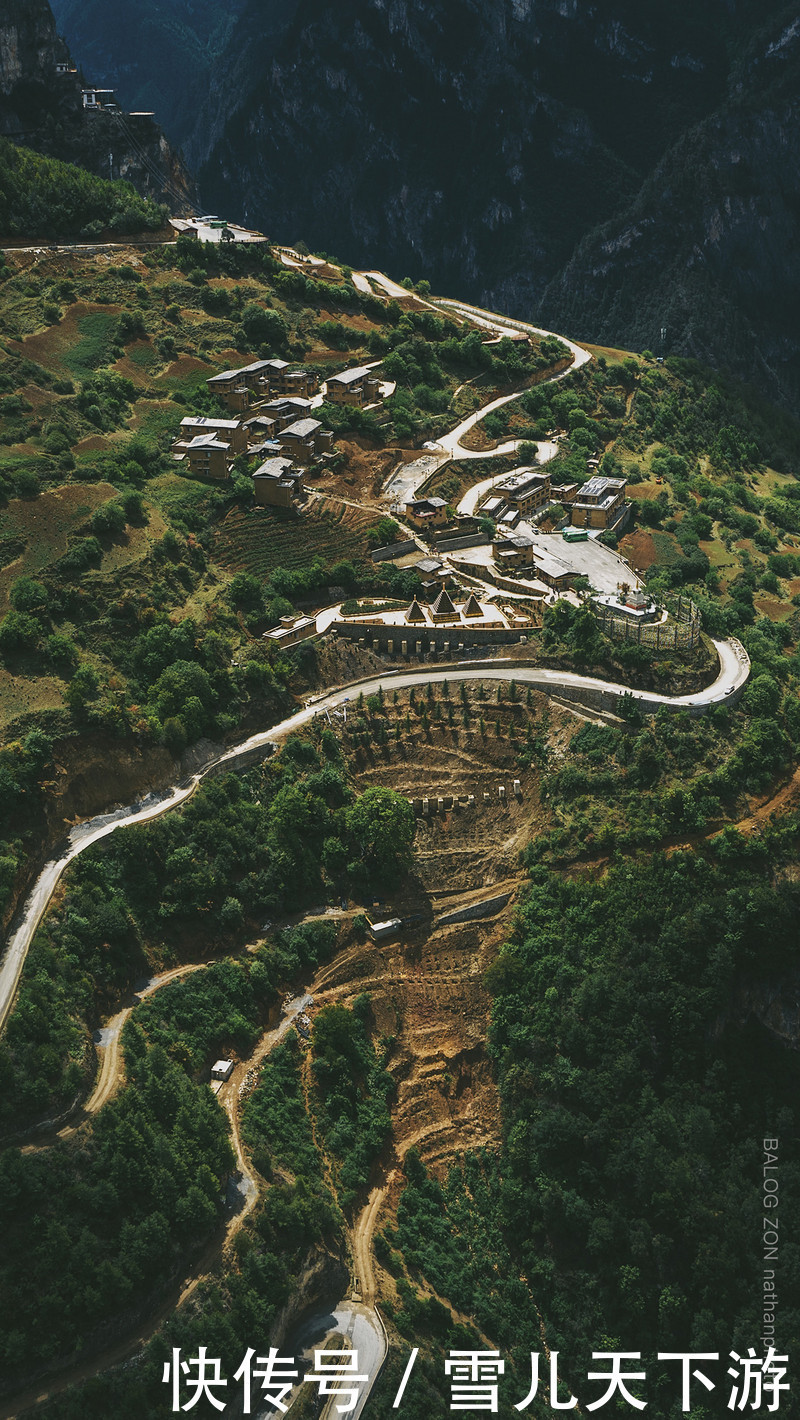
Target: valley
x: 536, y: 1000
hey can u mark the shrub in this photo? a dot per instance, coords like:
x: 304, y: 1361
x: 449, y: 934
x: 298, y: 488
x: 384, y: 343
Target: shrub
x: 109, y: 519
x: 18, y: 632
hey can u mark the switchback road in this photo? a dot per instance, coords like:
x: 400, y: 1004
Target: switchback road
x: 726, y: 688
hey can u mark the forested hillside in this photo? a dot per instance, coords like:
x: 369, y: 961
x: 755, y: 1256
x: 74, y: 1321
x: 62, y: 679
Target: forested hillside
x: 543, y: 1124
x: 629, y: 170
x: 43, y: 199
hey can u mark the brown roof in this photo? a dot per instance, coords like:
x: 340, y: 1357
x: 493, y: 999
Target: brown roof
x: 472, y: 606
x: 443, y: 606
x: 415, y: 612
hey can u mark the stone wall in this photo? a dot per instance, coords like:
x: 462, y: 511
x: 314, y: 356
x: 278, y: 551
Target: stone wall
x: 420, y: 640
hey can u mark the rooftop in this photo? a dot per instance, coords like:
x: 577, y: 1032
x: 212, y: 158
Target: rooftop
x: 348, y: 377
x: 426, y: 502
x: 286, y: 402
x: 598, y: 486
x: 303, y: 428
x: 520, y: 478
x: 200, y: 421
x: 550, y: 564
x: 251, y: 369
x: 207, y: 441
x: 274, y: 468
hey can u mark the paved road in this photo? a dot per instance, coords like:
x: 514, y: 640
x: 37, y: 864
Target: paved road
x: 546, y: 450
x: 42, y: 249
x: 360, y: 1320
x: 79, y: 838
x: 501, y: 324
x: 733, y: 674
x: 390, y: 287
x: 361, y: 1327
x: 406, y: 480
x: 451, y: 443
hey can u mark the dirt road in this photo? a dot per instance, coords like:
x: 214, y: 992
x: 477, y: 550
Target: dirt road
x: 245, y: 1186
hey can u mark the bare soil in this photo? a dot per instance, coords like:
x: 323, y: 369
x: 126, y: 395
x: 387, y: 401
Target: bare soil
x: 427, y: 988
x: 365, y: 472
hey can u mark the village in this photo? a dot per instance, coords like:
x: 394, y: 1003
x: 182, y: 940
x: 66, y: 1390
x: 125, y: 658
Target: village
x: 486, y: 569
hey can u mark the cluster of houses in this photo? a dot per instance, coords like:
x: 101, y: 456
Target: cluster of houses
x: 283, y: 433
x: 266, y: 379
x: 270, y: 407
x: 517, y: 502
x: 260, y: 381
x: 525, y: 493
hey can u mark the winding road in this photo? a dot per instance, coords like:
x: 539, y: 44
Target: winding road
x: 405, y: 481
x: 355, y: 1318
x: 725, y: 689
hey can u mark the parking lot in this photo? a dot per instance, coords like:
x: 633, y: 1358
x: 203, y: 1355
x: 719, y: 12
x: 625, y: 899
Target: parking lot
x: 604, y: 568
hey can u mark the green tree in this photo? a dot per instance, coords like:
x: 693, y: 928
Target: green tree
x: 176, y: 690
x: 263, y: 327
x: 18, y: 632
x: 245, y: 593
x: 27, y: 595
x: 83, y: 688
x: 763, y: 695
x: 382, y: 824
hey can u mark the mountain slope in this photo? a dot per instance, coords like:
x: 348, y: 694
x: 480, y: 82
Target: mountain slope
x: 156, y: 56
x: 606, y: 167
x: 478, y: 149
x: 44, y: 109
x: 708, y: 247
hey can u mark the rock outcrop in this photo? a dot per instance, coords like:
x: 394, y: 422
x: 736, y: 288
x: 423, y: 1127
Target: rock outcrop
x: 42, y: 107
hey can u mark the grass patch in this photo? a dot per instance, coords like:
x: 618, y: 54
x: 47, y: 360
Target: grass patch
x: 41, y: 527
x: 93, y: 348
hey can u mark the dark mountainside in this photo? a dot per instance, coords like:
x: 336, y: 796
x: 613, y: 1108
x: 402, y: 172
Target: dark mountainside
x: 474, y: 146
x: 708, y: 247
x: 481, y: 147
x: 43, y: 110
x: 609, y: 169
x: 156, y: 56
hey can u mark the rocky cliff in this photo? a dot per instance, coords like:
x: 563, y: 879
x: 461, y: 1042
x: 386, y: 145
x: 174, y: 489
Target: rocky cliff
x: 41, y: 106
x: 708, y: 247
x: 29, y: 45
x: 474, y: 144
x: 607, y: 166
x: 156, y: 55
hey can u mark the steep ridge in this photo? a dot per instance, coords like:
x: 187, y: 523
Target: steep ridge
x: 707, y: 248
x: 42, y: 107
x: 475, y: 151
x: 156, y: 56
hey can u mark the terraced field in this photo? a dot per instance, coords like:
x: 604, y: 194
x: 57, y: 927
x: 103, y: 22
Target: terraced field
x: 260, y: 539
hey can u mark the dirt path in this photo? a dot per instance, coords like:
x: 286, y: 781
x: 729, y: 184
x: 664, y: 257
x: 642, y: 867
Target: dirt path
x: 218, y: 1244
x: 782, y: 800
x: 361, y: 1239
x: 363, y: 1233
x: 112, y: 1069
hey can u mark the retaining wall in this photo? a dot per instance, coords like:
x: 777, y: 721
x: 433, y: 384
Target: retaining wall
x: 476, y: 539
x: 421, y: 640
x: 476, y: 912
x: 393, y: 551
